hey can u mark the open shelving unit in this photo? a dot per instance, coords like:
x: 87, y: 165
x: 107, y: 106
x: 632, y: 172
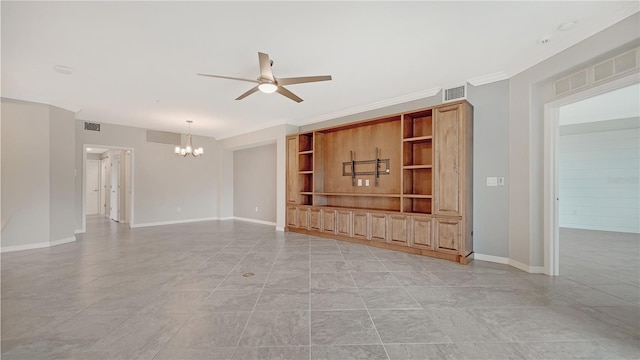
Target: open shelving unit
x: 401, y: 181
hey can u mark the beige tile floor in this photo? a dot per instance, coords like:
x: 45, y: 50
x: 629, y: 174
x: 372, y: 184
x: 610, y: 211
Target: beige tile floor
x: 178, y: 292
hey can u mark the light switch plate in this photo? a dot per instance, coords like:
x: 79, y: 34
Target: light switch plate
x: 492, y: 181
x: 501, y: 180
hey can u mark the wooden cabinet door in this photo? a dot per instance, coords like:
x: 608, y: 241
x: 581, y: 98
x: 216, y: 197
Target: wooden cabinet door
x: 447, y: 235
x: 421, y: 233
x: 447, y: 140
x: 303, y: 218
x: 292, y: 169
x: 315, y: 219
x: 343, y: 222
x: 398, y: 229
x: 329, y: 221
x: 360, y: 224
x: 378, y: 227
x: 292, y: 216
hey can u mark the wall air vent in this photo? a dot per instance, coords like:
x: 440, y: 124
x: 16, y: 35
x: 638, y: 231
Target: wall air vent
x: 572, y: 82
x: 454, y: 93
x: 615, y: 66
x: 91, y: 126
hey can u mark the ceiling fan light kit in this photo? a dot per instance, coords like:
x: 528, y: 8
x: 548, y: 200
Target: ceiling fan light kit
x: 267, y: 83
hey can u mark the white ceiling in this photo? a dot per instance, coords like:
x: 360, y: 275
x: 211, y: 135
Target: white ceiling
x: 135, y: 62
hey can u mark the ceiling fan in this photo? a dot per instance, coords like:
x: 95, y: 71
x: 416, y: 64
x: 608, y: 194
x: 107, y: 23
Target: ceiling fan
x: 267, y: 83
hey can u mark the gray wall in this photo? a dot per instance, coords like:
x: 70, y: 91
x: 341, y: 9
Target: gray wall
x: 37, y: 190
x: 25, y: 173
x: 254, y: 186
x: 490, y: 159
x: 61, y: 173
x: 529, y: 91
x: 162, y: 181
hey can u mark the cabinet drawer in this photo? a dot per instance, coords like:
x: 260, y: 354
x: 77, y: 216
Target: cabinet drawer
x: 447, y: 235
x: 329, y: 221
x: 360, y: 224
x: 398, y: 229
x: 421, y: 233
x: 343, y: 222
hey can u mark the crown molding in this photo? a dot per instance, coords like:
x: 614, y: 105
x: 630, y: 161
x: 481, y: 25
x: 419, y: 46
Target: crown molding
x: 489, y: 78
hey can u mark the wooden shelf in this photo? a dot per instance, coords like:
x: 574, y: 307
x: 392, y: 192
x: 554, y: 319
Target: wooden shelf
x: 305, y: 152
x: 415, y: 196
x: 306, y: 193
x: 305, y: 172
x: 418, y: 138
x: 413, y: 167
x: 358, y: 194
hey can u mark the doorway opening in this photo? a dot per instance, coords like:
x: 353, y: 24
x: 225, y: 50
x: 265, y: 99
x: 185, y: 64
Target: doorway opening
x: 586, y: 137
x: 107, y: 183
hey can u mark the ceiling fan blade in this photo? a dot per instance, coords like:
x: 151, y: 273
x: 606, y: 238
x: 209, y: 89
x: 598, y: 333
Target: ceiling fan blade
x: 304, y: 79
x: 230, y: 78
x: 265, y: 66
x: 249, y: 92
x: 281, y: 90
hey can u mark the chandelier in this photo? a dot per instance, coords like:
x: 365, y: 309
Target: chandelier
x: 189, y: 149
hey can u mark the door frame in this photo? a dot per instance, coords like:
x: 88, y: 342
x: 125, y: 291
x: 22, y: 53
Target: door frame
x: 99, y: 174
x: 84, y: 181
x: 551, y: 130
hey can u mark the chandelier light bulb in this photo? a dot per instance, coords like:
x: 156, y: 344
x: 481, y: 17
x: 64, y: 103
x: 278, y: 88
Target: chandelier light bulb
x: 189, y: 149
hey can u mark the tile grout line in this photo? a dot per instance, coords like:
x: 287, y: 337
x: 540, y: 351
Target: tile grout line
x: 256, y: 303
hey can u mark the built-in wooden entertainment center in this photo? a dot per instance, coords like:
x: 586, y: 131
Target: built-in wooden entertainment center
x: 400, y: 182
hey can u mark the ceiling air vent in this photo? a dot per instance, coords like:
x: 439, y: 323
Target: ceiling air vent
x: 615, y: 66
x: 91, y: 126
x: 572, y: 82
x: 454, y: 93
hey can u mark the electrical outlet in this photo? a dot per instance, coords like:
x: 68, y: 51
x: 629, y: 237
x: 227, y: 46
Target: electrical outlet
x: 366, y: 182
x: 492, y: 181
x: 359, y: 182
x: 501, y: 181
x: 256, y: 209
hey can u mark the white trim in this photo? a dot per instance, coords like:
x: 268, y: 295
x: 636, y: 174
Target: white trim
x: 40, y: 245
x: 488, y: 79
x: 255, y: 221
x: 63, y: 241
x: 79, y: 231
x: 226, y: 218
x: 511, y: 262
x: 550, y: 171
x: 279, y: 228
x: 526, y: 268
x: 13, y: 248
x: 172, y: 222
x: 491, y: 258
x: 372, y: 106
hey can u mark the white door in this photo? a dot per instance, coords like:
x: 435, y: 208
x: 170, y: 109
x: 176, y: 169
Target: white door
x: 103, y: 187
x: 93, y: 187
x: 115, y: 185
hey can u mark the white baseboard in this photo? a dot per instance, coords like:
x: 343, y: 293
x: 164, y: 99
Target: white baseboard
x: 511, y: 262
x: 279, y: 228
x: 255, y: 221
x: 40, y: 245
x: 63, y: 241
x: 226, y: 218
x: 79, y: 231
x: 173, y: 222
x: 491, y: 258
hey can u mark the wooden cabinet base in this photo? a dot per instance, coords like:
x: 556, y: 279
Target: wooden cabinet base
x: 451, y: 257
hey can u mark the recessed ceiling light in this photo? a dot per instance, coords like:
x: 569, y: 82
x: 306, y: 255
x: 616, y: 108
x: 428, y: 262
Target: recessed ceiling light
x: 567, y: 26
x: 63, y: 69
